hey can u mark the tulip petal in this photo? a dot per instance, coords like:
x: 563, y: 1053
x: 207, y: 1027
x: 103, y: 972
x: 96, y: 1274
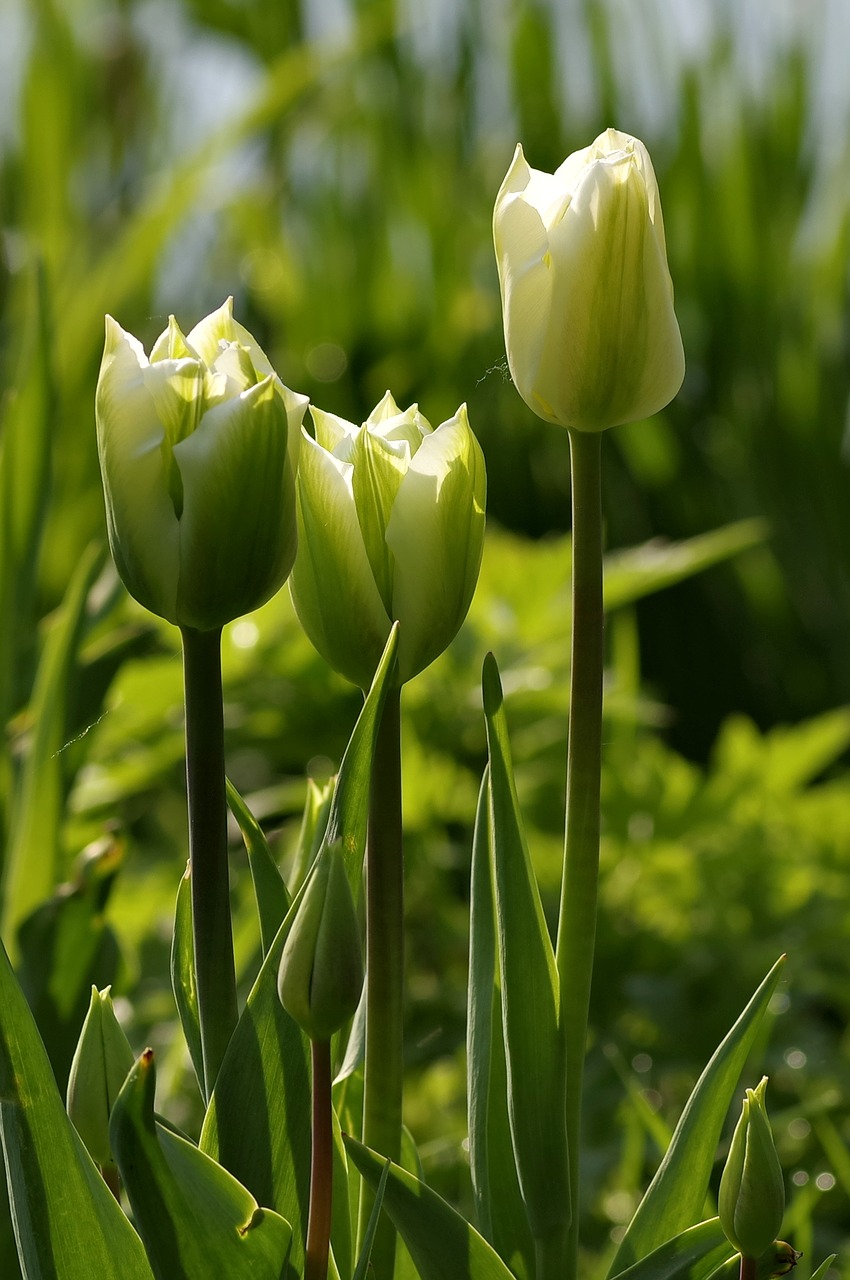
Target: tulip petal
x: 333, y: 433
x: 220, y: 327
x: 612, y: 352
x: 379, y: 468
x: 437, y: 545
x: 143, y: 528
x: 236, y: 476
x: 332, y: 584
x: 522, y: 256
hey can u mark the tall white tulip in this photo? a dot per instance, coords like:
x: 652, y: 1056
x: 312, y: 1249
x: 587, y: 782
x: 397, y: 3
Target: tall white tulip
x: 198, y: 452
x: 390, y: 526
x: 591, y: 335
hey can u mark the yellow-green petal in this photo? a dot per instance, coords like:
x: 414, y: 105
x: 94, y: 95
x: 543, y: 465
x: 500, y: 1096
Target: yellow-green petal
x: 332, y: 584
x: 143, y: 527
x: 436, y: 536
x: 237, y: 531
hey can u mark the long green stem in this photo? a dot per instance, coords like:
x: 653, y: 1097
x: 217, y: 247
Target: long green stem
x: 577, y: 919
x: 749, y: 1268
x: 205, y: 785
x: 321, y: 1166
x: 382, y: 1099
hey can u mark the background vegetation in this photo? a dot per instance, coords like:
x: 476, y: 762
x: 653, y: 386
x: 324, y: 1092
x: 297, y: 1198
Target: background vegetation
x: 333, y: 163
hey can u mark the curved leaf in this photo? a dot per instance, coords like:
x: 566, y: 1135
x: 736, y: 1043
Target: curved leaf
x: 441, y: 1242
x: 193, y: 1216
x: 68, y: 1224
x: 694, y: 1254
x: 677, y: 1193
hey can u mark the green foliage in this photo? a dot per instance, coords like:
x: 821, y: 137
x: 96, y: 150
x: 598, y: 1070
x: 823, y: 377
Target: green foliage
x: 188, y: 1210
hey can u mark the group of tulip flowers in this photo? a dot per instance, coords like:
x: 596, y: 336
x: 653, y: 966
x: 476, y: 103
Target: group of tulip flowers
x: 216, y: 494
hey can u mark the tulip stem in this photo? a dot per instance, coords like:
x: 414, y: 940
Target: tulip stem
x: 749, y: 1268
x: 577, y: 917
x: 215, y: 975
x: 382, y: 1095
x: 321, y: 1166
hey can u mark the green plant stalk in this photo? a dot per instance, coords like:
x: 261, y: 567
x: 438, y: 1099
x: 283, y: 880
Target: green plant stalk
x: 382, y: 1090
x: 321, y: 1166
x: 749, y: 1268
x: 549, y: 1256
x: 577, y: 916
x: 205, y: 785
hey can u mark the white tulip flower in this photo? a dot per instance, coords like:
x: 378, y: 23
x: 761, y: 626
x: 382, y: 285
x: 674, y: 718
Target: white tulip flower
x: 591, y: 335
x: 198, y: 452
x: 391, y: 527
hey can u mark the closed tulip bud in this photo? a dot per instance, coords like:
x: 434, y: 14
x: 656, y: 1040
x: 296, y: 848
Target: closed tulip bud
x: 320, y: 979
x: 391, y: 527
x: 198, y: 452
x: 101, y: 1062
x: 752, y: 1195
x: 591, y: 335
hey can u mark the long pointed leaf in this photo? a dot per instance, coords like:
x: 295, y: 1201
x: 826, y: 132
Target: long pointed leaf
x: 694, y: 1254
x: 68, y: 1224
x: 441, y: 1242
x: 183, y: 975
x: 677, y: 1193
x: 194, y: 1217
x: 33, y: 865
x: 273, y: 900
x: 501, y: 1214
x: 534, y: 1049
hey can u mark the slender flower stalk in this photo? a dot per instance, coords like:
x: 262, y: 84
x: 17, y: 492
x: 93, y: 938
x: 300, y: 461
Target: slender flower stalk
x: 321, y: 1166
x: 205, y: 784
x: 382, y: 1103
x: 577, y: 918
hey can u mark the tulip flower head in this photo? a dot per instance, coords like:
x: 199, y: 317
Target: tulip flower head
x: 391, y: 527
x: 591, y: 335
x: 198, y: 450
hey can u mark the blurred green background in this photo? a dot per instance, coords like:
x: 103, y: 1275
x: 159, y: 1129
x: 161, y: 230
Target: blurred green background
x: 333, y: 164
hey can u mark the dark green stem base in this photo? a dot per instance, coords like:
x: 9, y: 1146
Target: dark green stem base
x: 382, y: 1100
x: 749, y: 1268
x: 321, y: 1166
x: 205, y: 785
x: 577, y: 919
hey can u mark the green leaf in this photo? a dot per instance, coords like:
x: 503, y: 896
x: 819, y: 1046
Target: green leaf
x: 273, y: 900
x: 349, y: 812
x: 34, y: 856
x: 640, y: 571
x: 534, y: 1048
x: 258, y: 1121
x: 499, y: 1209
x: 676, y: 1195
x: 28, y: 416
x: 66, y: 948
x: 372, y: 1226
x: 68, y: 1224
x: 183, y: 975
x: 192, y: 1215
x: 441, y: 1242
x: 694, y: 1254
x: 822, y: 1270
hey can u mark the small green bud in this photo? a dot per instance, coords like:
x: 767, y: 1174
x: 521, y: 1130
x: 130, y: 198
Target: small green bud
x: 101, y: 1062
x: 777, y: 1260
x: 752, y: 1194
x: 320, y: 979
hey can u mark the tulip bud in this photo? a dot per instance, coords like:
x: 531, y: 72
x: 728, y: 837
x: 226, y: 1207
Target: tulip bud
x: 752, y: 1195
x: 101, y: 1062
x: 591, y: 335
x: 391, y: 527
x: 198, y: 452
x: 320, y: 978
